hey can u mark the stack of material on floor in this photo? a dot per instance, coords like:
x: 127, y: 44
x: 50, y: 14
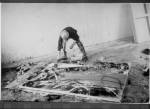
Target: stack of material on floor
x: 102, y: 81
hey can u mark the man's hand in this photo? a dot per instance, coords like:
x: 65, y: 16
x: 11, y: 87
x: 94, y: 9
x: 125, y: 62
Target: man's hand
x: 72, y: 45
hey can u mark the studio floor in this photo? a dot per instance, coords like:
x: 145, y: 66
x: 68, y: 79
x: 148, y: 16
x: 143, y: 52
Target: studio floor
x: 137, y: 86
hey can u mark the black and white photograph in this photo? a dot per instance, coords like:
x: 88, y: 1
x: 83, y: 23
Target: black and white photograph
x: 75, y: 52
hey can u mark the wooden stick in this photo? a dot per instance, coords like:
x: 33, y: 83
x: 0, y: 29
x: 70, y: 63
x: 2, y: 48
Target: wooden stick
x: 58, y: 92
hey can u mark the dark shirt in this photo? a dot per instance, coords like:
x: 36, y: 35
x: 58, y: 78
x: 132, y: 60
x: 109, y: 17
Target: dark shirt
x: 72, y: 35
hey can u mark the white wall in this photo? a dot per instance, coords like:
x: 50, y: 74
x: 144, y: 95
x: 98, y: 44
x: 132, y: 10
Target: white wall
x: 33, y: 29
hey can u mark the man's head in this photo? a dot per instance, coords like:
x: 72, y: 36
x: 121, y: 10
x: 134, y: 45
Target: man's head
x: 64, y: 35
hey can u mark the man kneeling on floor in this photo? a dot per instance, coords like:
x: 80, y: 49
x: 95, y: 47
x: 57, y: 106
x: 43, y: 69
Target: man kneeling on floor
x: 70, y: 33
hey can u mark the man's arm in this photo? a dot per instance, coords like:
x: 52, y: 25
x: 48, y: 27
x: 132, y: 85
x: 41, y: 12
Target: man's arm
x: 72, y: 45
x: 64, y: 48
x: 60, y: 46
x: 58, y: 54
x: 62, y: 42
